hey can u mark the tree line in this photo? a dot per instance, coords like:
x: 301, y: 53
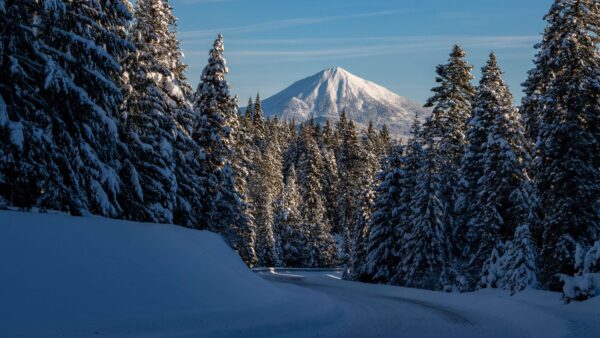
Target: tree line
x: 485, y: 194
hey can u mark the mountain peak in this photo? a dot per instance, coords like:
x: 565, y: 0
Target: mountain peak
x: 325, y: 94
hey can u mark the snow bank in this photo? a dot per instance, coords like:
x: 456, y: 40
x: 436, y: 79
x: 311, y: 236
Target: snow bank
x: 72, y: 276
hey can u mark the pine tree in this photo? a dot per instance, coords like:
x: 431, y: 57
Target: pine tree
x: 425, y: 253
x: 30, y: 161
x: 266, y: 182
x: 222, y: 205
x: 257, y: 117
x: 451, y: 104
x: 566, y: 153
x: 520, y: 261
x: 162, y: 167
x: 310, y: 168
x: 72, y: 151
x: 497, y: 195
x: 381, y: 254
x: 352, y: 166
x: 288, y: 223
x: 330, y: 183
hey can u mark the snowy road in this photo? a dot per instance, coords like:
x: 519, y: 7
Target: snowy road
x: 362, y: 310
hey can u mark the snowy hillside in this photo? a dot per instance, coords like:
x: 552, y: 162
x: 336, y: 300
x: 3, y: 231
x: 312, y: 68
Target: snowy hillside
x: 325, y: 94
x: 63, y: 276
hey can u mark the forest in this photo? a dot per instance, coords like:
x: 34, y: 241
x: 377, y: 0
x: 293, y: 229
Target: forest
x: 97, y: 117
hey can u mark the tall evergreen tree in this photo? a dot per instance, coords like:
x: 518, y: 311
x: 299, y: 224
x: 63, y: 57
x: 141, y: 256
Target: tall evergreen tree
x: 288, y: 224
x: 425, y: 253
x: 505, y: 200
x: 49, y: 52
x: 257, y: 116
x: 381, y: 254
x: 352, y: 166
x: 34, y: 172
x: 161, y: 171
x: 447, y: 126
x: 266, y: 182
x: 310, y: 169
x: 217, y: 124
x: 566, y: 166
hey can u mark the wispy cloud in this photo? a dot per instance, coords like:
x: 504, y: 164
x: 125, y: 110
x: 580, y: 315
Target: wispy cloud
x: 373, y: 46
x: 285, y: 23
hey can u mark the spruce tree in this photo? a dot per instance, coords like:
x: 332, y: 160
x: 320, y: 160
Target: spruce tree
x: 352, y: 166
x: 310, y: 169
x: 447, y: 126
x: 506, y: 193
x: 566, y: 153
x: 214, y: 134
x: 497, y: 194
x: 257, y: 117
x: 425, y: 260
x: 288, y: 224
x: 70, y: 146
x: 266, y: 182
x: 381, y: 254
x: 161, y: 171
x: 31, y: 164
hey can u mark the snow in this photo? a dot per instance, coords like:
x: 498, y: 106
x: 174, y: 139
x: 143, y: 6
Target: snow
x: 77, y: 277
x: 325, y: 94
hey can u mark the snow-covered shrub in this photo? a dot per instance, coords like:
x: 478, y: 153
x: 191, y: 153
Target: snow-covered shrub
x: 586, y: 284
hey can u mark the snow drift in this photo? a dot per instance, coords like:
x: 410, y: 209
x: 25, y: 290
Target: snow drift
x: 72, y: 276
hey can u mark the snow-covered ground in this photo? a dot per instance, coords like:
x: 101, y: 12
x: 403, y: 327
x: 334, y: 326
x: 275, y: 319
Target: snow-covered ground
x: 63, y: 276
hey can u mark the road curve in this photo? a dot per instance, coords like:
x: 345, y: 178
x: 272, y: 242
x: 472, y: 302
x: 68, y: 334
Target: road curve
x: 364, y: 310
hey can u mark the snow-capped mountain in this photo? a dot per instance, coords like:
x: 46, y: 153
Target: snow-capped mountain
x: 325, y: 94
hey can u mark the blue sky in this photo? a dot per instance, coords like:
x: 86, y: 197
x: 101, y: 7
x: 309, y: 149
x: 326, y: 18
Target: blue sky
x: 269, y: 44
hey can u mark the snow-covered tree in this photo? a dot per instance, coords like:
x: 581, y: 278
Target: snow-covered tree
x: 447, y: 126
x: 214, y: 134
x: 161, y: 172
x: 499, y: 195
x: 29, y: 158
x: 425, y: 253
x: 62, y: 154
x: 352, y: 167
x: 310, y: 169
x: 288, y: 223
x: 565, y: 86
x: 266, y: 181
x: 520, y: 261
x: 381, y: 254
x: 257, y: 117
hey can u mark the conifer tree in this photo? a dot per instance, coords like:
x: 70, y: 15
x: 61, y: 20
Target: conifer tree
x: 352, y: 166
x: 447, y: 126
x: 214, y: 134
x: 266, y: 182
x: 506, y: 194
x: 497, y: 195
x: 161, y: 171
x: 381, y: 254
x: 520, y: 261
x: 70, y: 147
x: 310, y: 168
x: 425, y: 260
x: 257, y: 117
x: 288, y: 224
x: 566, y: 153
x: 34, y: 172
